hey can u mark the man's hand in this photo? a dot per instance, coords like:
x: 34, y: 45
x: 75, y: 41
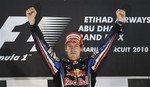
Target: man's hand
x: 31, y: 14
x: 121, y: 15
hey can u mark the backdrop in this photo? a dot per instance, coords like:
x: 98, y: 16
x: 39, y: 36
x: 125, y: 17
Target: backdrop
x: 129, y: 56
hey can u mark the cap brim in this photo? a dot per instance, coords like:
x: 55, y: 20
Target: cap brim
x: 73, y: 40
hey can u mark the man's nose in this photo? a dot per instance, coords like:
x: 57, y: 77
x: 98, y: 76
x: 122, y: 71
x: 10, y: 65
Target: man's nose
x: 72, y: 48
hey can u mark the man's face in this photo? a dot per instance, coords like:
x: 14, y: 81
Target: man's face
x: 73, y: 50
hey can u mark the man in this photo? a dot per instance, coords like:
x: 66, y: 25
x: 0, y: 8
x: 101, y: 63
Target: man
x: 73, y: 71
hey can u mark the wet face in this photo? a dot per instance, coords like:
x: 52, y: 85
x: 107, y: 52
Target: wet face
x: 73, y: 50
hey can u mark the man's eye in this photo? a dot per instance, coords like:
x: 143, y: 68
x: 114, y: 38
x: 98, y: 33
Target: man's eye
x: 69, y: 46
x: 77, y: 46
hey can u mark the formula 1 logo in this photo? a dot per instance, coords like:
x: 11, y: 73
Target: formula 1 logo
x: 6, y: 31
x: 51, y: 27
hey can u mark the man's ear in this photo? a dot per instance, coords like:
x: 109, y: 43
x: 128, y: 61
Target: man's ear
x: 82, y: 48
x: 65, y: 47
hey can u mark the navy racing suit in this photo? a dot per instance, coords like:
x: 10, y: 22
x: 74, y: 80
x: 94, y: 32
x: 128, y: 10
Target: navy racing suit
x: 80, y: 73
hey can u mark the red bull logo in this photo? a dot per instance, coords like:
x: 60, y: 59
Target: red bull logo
x: 71, y: 73
x: 81, y: 73
x: 76, y: 73
x: 79, y: 81
x: 78, y: 78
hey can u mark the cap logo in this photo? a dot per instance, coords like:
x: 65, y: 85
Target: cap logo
x: 73, y: 36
